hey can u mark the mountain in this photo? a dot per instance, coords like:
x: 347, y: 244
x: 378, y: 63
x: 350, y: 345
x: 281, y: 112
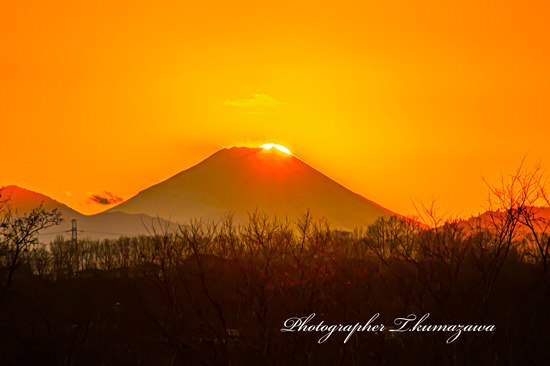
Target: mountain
x: 100, y: 226
x: 241, y: 180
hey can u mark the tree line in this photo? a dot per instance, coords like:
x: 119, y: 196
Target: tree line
x: 219, y: 294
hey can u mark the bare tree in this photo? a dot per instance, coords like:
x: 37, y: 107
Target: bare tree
x: 520, y: 208
x: 18, y: 234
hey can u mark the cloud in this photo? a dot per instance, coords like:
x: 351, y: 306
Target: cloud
x: 106, y: 199
x: 257, y: 100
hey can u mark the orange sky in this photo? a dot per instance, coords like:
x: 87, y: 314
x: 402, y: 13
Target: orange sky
x: 394, y: 101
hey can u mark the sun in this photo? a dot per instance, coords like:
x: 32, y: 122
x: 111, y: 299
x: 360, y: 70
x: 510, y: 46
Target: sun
x: 278, y: 147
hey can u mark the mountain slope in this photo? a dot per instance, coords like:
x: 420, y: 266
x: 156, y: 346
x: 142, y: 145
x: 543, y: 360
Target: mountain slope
x: 240, y: 179
x: 24, y: 201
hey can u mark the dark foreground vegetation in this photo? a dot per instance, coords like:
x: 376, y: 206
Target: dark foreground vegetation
x: 220, y: 294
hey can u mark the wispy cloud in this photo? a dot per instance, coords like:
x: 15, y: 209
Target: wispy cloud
x: 257, y: 100
x: 106, y: 198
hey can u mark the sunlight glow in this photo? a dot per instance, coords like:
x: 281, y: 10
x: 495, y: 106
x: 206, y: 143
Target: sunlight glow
x: 278, y: 147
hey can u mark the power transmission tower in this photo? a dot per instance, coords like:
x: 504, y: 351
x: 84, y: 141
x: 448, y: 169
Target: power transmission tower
x: 74, y: 237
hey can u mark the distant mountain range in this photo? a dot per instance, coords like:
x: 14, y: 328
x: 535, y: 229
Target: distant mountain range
x: 101, y: 226
x: 239, y: 180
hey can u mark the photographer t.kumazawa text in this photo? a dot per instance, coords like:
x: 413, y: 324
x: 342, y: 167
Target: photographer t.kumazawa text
x: 404, y: 324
